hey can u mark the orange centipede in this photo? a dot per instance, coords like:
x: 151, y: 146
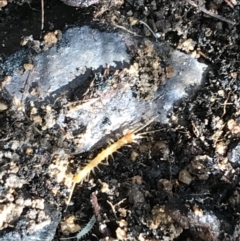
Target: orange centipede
x: 130, y: 137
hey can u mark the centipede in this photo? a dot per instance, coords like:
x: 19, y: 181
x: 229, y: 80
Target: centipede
x: 128, y: 138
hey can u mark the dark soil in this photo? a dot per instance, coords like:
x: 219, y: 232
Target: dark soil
x: 184, y: 183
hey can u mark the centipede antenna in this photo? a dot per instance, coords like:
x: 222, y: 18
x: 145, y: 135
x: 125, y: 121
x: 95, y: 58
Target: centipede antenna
x: 148, y: 123
x: 147, y: 132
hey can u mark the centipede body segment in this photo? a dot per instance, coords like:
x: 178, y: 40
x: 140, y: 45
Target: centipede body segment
x: 103, y: 155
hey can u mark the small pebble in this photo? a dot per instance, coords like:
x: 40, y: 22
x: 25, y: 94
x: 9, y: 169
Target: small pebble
x: 185, y: 177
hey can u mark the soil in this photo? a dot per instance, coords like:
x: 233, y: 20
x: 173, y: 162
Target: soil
x: 181, y: 182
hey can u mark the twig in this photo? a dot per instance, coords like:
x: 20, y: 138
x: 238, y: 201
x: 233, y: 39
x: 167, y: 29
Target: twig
x: 32, y: 125
x: 102, y: 226
x: 229, y: 3
x: 226, y: 102
x: 27, y: 85
x: 42, y: 20
x: 195, y: 130
x: 204, y: 10
x: 113, y: 206
x: 155, y: 35
x: 5, y: 139
x: 125, y: 29
x: 96, y: 207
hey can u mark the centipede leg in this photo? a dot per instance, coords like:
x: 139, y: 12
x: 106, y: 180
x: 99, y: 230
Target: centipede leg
x: 105, y: 163
x: 130, y: 145
x: 110, y: 141
x: 119, y: 153
x: 97, y: 168
x: 111, y: 157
